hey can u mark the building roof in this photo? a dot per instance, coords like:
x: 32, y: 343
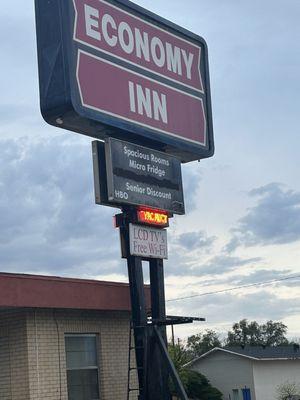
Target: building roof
x: 18, y: 290
x: 264, y: 352
x: 257, y: 353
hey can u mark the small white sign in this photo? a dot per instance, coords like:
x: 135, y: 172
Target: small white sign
x: 148, y: 242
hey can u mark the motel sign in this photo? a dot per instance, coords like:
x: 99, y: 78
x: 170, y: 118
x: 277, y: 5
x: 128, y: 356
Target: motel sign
x: 139, y: 84
x: 116, y: 70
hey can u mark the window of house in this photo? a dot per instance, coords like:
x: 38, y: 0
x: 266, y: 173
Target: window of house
x: 236, y: 395
x: 82, y: 367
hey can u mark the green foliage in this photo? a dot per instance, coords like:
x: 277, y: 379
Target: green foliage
x: 273, y: 334
x: 251, y: 333
x: 196, y: 385
x: 180, y: 356
x: 203, y: 342
x: 244, y: 333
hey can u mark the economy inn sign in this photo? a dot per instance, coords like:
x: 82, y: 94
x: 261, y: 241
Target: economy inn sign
x: 114, y: 69
x: 139, y: 84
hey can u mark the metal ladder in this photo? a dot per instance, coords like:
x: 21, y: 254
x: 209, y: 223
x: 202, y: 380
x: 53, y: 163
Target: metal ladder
x: 130, y: 368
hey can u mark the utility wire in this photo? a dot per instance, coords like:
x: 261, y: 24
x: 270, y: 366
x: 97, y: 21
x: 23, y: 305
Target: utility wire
x: 236, y: 288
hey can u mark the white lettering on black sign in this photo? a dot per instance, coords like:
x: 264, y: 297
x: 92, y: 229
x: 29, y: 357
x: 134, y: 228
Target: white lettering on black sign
x: 142, y: 176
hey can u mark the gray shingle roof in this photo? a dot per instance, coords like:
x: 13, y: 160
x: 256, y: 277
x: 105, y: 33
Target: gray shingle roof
x: 256, y: 353
x: 260, y: 352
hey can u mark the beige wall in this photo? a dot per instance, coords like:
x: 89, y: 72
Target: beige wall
x: 14, y: 356
x: 227, y: 372
x: 37, y: 352
x: 5, y: 392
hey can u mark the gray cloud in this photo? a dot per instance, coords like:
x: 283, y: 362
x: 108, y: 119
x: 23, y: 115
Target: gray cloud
x: 289, y: 279
x: 275, y: 219
x: 263, y: 275
x: 191, y: 182
x: 232, y: 307
x: 181, y: 264
x: 195, y: 241
x: 224, y: 263
x: 49, y: 221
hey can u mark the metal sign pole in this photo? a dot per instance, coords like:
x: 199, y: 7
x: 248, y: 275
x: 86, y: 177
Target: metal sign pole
x: 138, y: 304
x: 174, y: 375
x: 139, y: 317
x: 153, y: 364
x: 158, y: 375
x: 143, y: 237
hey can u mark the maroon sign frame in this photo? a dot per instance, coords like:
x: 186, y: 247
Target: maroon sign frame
x: 121, y: 71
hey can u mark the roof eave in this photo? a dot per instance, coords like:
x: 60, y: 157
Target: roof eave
x: 208, y: 353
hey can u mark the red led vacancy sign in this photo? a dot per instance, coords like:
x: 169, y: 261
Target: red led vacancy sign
x: 153, y: 217
x: 121, y: 71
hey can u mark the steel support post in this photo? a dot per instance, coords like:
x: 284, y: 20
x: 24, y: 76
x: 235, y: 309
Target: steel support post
x: 169, y: 365
x: 138, y: 307
x: 157, y: 373
x: 139, y: 318
x: 154, y: 366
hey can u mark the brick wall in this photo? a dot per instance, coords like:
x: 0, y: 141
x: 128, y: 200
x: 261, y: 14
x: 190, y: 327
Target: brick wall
x: 5, y: 392
x: 38, y: 359
x: 14, y: 380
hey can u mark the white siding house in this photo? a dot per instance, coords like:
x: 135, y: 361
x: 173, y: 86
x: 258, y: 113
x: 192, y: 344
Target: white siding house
x: 269, y: 374
x: 250, y: 373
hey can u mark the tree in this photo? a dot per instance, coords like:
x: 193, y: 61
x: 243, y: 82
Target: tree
x: 203, y: 342
x: 251, y: 333
x: 273, y: 334
x: 244, y: 333
x: 180, y: 356
x: 196, y: 385
x: 287, y: 391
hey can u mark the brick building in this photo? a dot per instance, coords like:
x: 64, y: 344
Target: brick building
x: 63, y: 339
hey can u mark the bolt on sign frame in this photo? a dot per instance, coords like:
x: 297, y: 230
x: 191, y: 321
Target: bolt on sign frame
x: 109, y: 68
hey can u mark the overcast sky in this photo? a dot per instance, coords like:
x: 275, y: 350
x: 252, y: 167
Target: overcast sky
x: 243, y: 206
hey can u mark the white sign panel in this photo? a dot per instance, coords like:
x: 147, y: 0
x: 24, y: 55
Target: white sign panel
x: 148, y: 242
